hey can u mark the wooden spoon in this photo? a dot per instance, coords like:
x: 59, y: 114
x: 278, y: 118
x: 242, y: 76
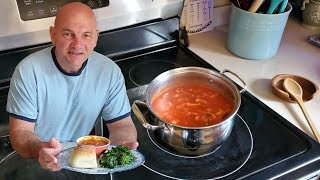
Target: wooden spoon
x: 255, y: 5
x: 295, y: 90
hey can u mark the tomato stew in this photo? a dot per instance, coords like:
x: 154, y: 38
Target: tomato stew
x: 192, y: 106
x: 93, y: 141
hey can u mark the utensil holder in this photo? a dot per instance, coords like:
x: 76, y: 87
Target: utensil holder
x: 256, y: 36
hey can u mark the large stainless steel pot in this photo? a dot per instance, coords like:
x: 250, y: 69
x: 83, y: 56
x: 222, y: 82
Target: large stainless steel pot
x: 190, y: 141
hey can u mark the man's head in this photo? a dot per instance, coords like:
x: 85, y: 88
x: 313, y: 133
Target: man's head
x: 74, y: 35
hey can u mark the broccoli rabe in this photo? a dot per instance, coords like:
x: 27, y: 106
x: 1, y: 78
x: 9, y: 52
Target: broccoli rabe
x: 117, y: 156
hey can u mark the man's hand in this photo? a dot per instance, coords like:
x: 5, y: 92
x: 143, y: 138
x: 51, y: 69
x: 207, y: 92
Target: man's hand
x: 47, y: 155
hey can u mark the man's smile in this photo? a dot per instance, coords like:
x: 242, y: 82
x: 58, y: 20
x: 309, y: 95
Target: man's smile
x: 75, y: 53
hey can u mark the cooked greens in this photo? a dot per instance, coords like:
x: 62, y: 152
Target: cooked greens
x: 117, y: 156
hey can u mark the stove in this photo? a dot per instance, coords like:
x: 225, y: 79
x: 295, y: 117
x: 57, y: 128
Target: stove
x: 279, y: 149
x: 262, y: 144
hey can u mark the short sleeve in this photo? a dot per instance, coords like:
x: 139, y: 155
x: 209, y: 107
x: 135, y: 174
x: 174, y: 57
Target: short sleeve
x: 117, y: 104
x: 22, y: 93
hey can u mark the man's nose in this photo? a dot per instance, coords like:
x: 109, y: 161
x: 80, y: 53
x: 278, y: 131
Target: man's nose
x: 77, y: 42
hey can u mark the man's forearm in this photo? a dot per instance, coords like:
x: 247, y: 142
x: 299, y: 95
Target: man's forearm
x: 26, y: 143
x: 122, y: 131
x: 125, y: 134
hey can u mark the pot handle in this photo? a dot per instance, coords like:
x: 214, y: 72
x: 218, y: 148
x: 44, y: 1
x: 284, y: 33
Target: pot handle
x: 140, y: 116
x: 244, y: 84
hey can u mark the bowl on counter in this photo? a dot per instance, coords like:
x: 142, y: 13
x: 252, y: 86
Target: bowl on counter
x: 101, y: 143
x: 309, y: 88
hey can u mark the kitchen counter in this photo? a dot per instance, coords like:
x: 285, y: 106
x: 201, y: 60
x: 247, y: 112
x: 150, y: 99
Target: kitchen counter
x: 295, y: 56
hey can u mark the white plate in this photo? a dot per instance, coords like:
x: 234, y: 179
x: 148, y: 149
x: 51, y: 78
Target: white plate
x: 64, y: 155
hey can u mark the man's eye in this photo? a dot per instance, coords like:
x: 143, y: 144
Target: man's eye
x: 87, y: 35
x: 67, y: 34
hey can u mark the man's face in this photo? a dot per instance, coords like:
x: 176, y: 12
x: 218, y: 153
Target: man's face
x: 74, y: 36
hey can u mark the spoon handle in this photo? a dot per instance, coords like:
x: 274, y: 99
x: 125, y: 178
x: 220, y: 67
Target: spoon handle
x: 255, y: 6
x: 274, y: 4
x: 283, y: 6
x: 307, y: 116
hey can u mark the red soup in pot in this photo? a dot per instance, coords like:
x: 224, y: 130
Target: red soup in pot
x: 192, y: 106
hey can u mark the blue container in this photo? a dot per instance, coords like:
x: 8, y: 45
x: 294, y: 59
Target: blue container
x: 254, y: 35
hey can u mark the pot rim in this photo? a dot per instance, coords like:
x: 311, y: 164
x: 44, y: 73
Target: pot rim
x: 199, y: 70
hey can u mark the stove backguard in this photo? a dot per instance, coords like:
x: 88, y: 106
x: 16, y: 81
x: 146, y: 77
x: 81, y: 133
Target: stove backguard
x: 30, y: 10
x: 26, y: 22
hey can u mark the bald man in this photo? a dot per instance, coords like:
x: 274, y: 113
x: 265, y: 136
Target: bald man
x: 57, y: 94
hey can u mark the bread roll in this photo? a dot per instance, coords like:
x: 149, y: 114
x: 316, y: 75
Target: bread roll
x: 84, y: 156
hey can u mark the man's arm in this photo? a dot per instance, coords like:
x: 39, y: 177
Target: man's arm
x: 23, y: 139
x: 123, y: 132
x: 29, y: 145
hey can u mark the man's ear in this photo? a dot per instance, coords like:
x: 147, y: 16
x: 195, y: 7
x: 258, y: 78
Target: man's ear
x: 52, y: 35
x: 97, y: 36
x: 97, y: 31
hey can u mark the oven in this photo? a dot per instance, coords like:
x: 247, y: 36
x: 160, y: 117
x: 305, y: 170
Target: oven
x: 262, y: 144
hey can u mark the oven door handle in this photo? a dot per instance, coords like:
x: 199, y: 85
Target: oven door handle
x: 5, y: 87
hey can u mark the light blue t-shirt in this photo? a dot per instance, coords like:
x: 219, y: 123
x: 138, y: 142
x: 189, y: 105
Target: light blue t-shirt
x: 66, y: 105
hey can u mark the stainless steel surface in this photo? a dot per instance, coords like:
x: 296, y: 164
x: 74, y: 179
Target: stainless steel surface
x: 236, y: 75
x: 16, y: 33
x: 136, y: 110
x: 190, y: 141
